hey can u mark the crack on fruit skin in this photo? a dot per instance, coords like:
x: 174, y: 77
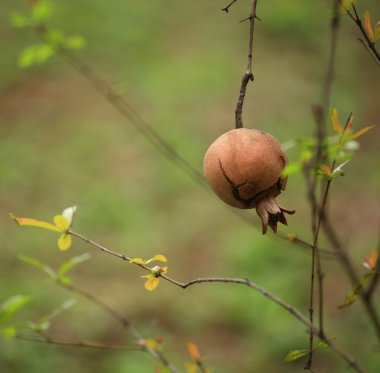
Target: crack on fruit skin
x: 235, y: 189
x: 269, y: 211
x: 250, y: 202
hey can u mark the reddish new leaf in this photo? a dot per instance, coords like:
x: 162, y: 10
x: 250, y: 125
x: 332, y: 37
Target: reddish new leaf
x: 193, y: 351
x: 371, y: 260
x: 368, y: 26
x: 361, y: 132
x: 335, y: 121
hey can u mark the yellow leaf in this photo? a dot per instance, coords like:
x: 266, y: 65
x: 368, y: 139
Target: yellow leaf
x: 344, y: 4
x: 368, y: 26
x: 191, y: 367
x: 64, y: 241
x: 335, y: 121
x: 61, y: 223
x: 159, y: 257
x: 193, y: 351
x: 325, y: 169
x: 35, y: 223
x: 361, y: 132
x: 151, y: 343
x: 138, y: 261
x: 292, y: 236
x: 151, y: 283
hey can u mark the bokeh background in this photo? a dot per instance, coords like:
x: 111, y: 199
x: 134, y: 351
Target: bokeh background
x: 179, y: 64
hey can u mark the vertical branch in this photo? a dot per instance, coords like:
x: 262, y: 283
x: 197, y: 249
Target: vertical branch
x: 320, y: 112
x: 248, y: 75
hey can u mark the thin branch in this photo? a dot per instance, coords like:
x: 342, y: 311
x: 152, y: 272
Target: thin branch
x: 110, y: 311
x: 248, y: 75
x: 61, y: 342
x: 132, y: 115
x: 158, y: 355
x: 376, y: 275
x: 317, y: 216
x: 368, y: 44
x: 227, y: 7
x: 350, y: 270
x: 246, y: 282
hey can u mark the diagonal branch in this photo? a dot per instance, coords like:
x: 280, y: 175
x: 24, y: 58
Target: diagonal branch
x: 227, y: 7
x: 82, y: 344
x: 240, y: 281
x: 368, y: 44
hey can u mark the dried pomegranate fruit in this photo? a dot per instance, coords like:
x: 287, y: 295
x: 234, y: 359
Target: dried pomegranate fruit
x: 243, y: 167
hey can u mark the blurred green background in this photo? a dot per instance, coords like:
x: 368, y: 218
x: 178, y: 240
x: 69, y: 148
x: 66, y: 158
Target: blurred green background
x: 180, y: 65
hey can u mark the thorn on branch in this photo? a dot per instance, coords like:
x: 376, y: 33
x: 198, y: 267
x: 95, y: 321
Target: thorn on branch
x: 227, y: 7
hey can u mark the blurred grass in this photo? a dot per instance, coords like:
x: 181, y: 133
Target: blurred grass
x: 181, y: 67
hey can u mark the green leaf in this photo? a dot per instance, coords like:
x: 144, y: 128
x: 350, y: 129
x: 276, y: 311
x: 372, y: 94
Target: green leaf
x: 54, y: 37
x: 352, y: 296
x: 56, y: 312
x: 64, y: 280
x: 75, y: 42
x: 35, y: 54
x: 9, y: 332
x: 72, y: 262
x: 41, y: 11
x: 295, y: 355
x: 36, y: 263
x: 34, y: 223
x: 324, y: 344
x: 377, y: 33
x: 18, y: 20
x: 292, y: 168
x: 12, y: 305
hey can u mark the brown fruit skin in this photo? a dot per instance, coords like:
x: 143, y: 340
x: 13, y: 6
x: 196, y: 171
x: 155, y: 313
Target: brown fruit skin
x: 249, y: 159
x: 243, y: 167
